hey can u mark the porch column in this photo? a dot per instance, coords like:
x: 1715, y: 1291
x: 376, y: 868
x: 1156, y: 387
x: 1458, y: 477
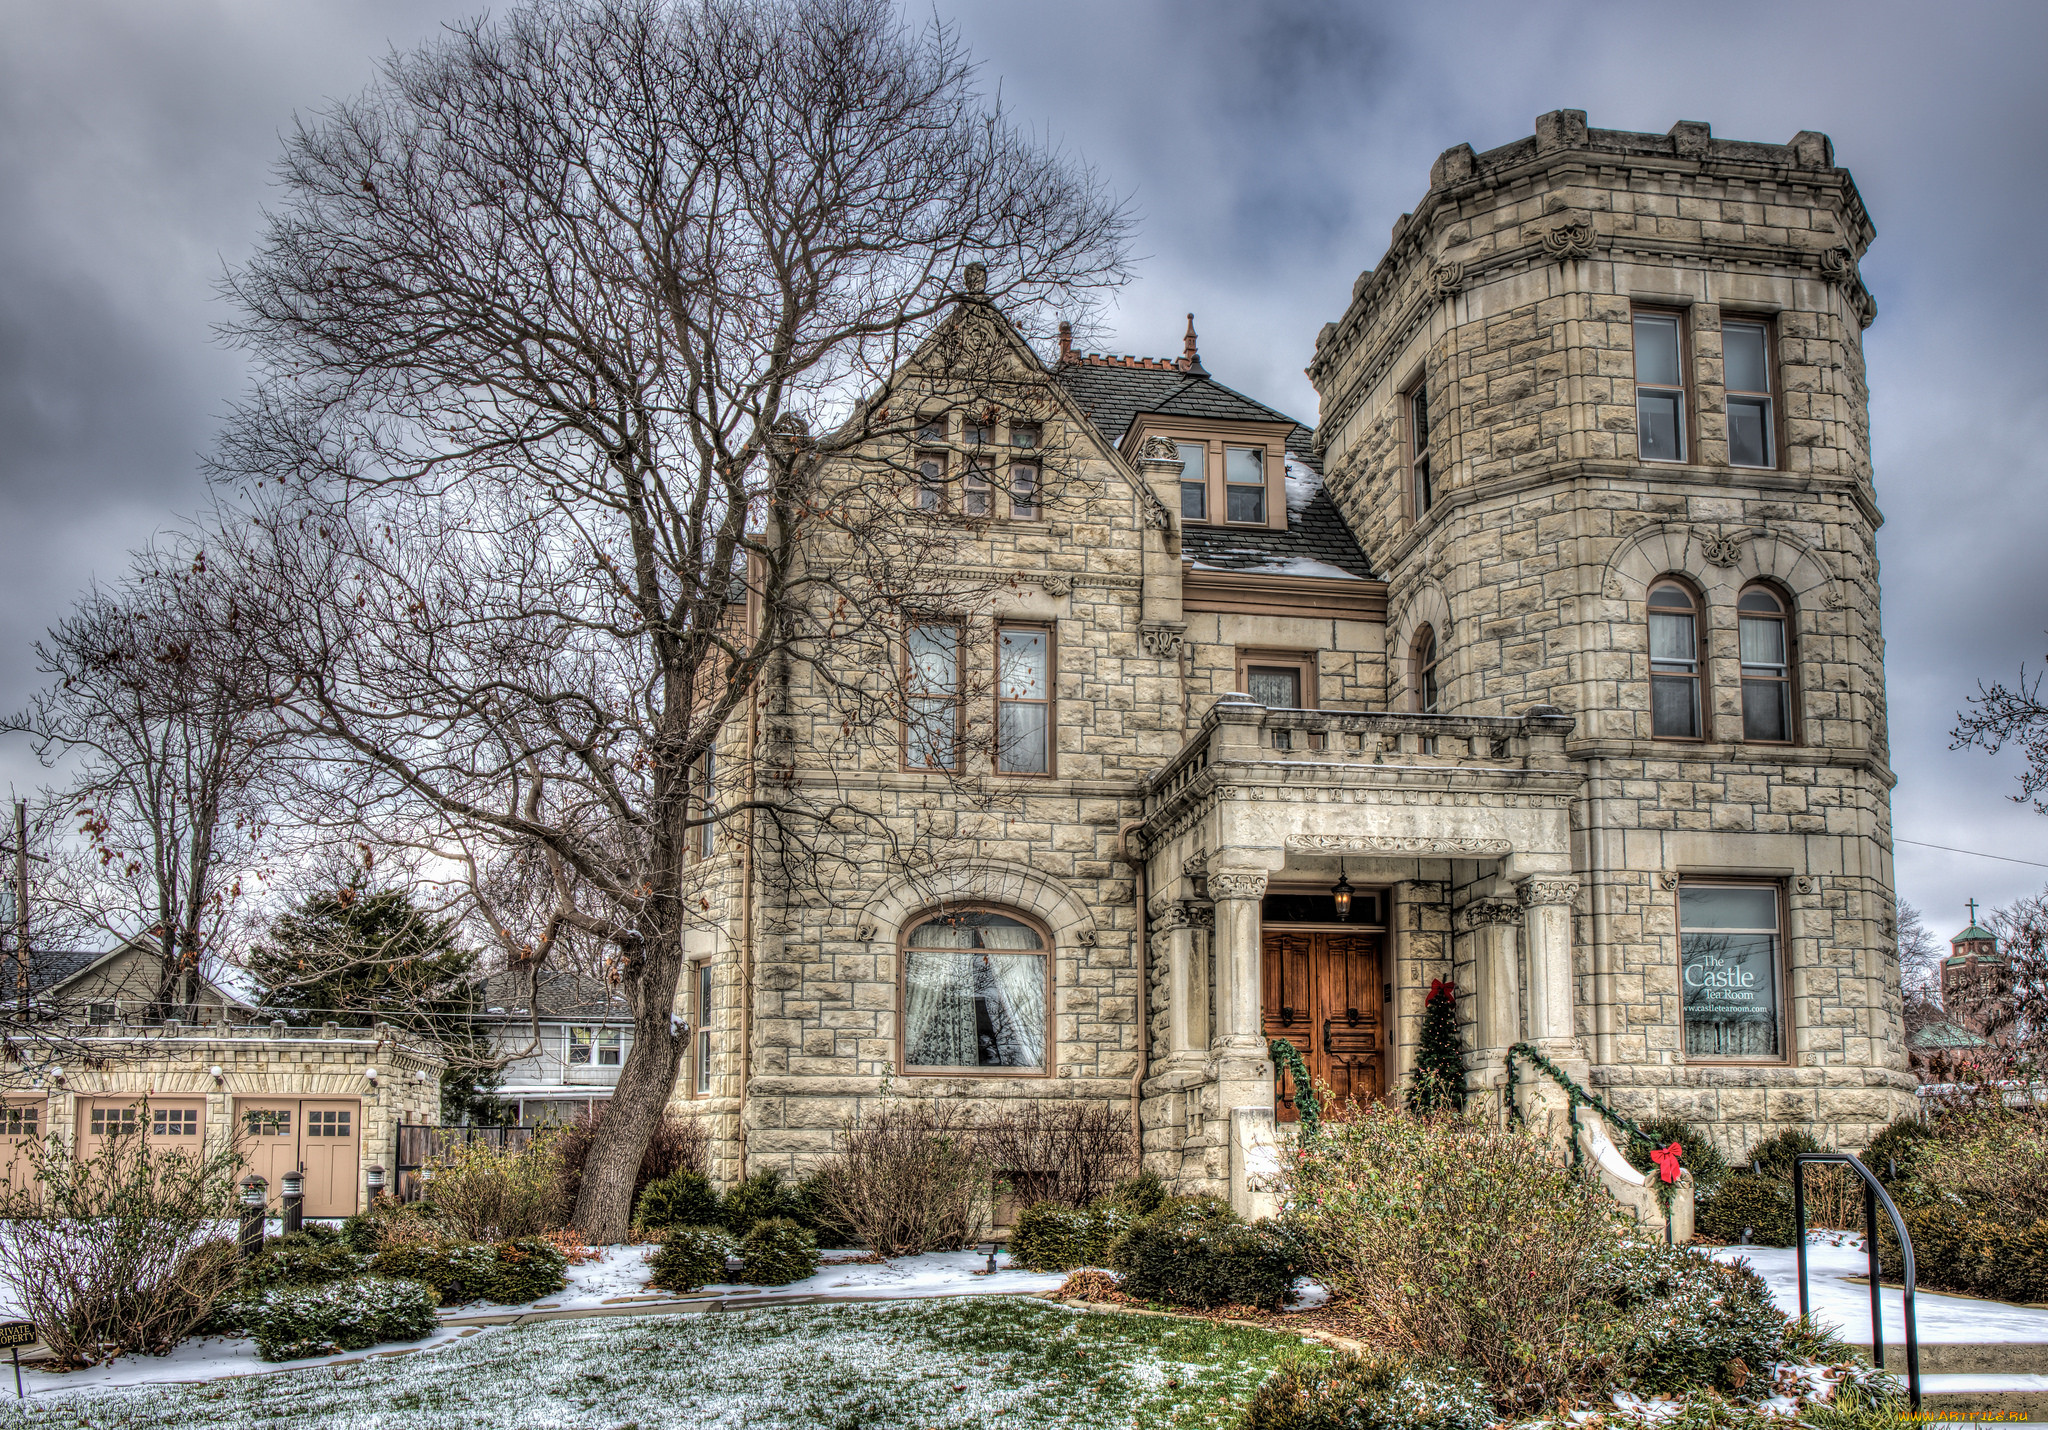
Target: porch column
x: 1492, y: 924
x: 1174, y: 928
x: 1547, y: 935
x: 1199, y: 934
x: 1237, y: 893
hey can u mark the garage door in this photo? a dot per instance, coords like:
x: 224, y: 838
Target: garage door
x: 22, y: 1123
x: 321, y: 1138
x: 171, y: 1124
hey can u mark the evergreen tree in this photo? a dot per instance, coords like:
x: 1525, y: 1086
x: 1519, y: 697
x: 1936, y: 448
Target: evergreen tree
x: 1440, y: 1062
x: 359, y: 956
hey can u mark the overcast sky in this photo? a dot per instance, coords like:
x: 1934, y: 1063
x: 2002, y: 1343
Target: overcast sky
x: 1267, y: 147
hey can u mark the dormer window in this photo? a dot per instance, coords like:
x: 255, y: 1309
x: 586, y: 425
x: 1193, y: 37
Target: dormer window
x: 1194, y: 480
x: 1244, y: 482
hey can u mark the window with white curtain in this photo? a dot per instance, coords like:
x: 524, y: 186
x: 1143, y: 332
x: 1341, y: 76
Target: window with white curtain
x: 974, y: 993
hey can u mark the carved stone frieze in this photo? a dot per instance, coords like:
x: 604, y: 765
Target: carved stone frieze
x: 1056, y: 585
x: 1163, y: 639
x: 1722, y: 550
x: 1482, y: 912
x: 1238, y: 884
x: 1534, y: 892
x: 1448, y: 846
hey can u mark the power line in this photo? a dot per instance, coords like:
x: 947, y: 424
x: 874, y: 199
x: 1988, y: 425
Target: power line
x: 1977, y: 853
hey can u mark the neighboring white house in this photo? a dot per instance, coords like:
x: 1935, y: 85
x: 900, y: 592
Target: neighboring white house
x: 578, y: 1030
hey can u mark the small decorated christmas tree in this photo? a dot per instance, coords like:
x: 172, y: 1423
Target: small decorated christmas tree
x: 1440, y: 1063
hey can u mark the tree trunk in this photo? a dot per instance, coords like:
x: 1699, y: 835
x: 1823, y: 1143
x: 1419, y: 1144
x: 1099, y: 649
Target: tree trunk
x: 604, y: 1201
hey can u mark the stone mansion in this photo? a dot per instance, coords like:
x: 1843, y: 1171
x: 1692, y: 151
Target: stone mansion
x: 1547, y: 663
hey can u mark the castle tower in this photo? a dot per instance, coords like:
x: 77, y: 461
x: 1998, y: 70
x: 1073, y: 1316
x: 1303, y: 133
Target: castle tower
x: 1599, y: 417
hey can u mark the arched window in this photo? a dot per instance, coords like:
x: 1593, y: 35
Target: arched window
x: 1766, y: 665
x: 1422, y: 659
x: 1676, y: 661
x: 975, y: 993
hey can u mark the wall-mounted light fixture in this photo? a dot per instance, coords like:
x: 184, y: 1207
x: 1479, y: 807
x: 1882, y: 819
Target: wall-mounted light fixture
x: 371, y: 1074
x: 218, y: 1080
x: 57, y: 1075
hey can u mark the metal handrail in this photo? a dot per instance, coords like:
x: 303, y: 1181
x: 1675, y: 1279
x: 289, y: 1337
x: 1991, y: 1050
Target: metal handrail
x: 1873, y: 1193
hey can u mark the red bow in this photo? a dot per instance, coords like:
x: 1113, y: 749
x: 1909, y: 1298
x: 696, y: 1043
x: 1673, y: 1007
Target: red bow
x: 1666, y: 1159
x: 1440, y: 987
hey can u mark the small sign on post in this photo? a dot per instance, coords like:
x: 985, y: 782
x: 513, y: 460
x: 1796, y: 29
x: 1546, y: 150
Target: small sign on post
x: 14, y: 1335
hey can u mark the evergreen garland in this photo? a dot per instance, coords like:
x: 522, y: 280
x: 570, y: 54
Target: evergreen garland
x: 1440, y: 1062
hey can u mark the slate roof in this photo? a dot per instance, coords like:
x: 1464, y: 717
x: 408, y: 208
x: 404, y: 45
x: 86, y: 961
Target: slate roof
x: 1114, y: 391
x: 561, y: 995
x: 47, y: 967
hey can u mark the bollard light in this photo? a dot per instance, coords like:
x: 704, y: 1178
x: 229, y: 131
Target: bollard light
x: 733, y: 1267
x: 293, y: 1184
x: 990, y: 1248
x: 255, y: 1191
x: 1746, y: 1232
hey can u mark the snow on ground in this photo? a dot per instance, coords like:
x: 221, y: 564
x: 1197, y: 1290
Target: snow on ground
x: 211, y: 1358
x: 1832, y: 1257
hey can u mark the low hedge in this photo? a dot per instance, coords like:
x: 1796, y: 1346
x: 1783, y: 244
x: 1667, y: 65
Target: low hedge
x: 292, y: 1322
x: 761, y: 1197
x: 777, y: 1251
x: 1197, y: 1252
x: 1976, y: 1255
x: 1368, y: 1392
x: 1763, y: 1205
x: 1052, y: 1237
x: 316, y: 1256
x: 507, y: 1274
x: 1677, y: 1320
x: 691, y: 1257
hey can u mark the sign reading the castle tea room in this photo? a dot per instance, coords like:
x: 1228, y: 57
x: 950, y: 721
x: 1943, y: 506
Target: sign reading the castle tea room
x: 1728, y: 966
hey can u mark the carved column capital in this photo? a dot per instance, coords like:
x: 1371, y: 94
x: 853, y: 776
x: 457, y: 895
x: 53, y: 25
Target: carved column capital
x: 1198, y: 914
x: 1163, y: 639
x: 1237, y: 884
x: 1536, y: 891
x: 1484, y: 912
x: 1168, y: 915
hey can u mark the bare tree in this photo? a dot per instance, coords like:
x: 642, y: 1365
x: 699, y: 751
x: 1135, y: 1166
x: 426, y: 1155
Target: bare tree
x: 1920, y: 956
x: 2001, y: 715
x: 158, y: 713
x: 570, y: 331
x: 2022, y: 929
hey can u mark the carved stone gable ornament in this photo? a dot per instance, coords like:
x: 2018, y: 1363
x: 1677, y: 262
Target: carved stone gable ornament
x: 1157, y: 449
x: 1570, y: 235
x: 1446, y: 279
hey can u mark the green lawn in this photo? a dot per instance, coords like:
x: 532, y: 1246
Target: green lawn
x: 994, y: 1363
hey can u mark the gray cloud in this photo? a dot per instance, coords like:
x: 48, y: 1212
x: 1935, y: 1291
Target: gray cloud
x: 1267, y: 147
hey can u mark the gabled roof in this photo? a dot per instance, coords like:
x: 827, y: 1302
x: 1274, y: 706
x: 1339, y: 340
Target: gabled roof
x: 52, y: 970
x: 1947, y: 1035
x: 561, y: 995
x: 1115, y: 392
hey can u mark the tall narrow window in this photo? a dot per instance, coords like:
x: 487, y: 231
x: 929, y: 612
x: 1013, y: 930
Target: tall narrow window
x: 1421, y: 489
x: 1660, y: 388
x: 1746, y: 366
x: 977, y: 491
x: 1194, y: 480
x: 931, y: 689
x: 1023, y: 700
x: 1424, y: 662
x: 1729, y: 964
x: 1024, y: 491
x: 931, y: 481
x: 1244, y: 483
x: 1766, y: 666
x: 706, y: 778
x: 703, y: 1048
x: 1674, y: 663
x: 974, y: 993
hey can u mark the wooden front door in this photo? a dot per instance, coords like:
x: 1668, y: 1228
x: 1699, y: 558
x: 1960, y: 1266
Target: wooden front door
x: 1322, y: 992
x: 330, y: 1147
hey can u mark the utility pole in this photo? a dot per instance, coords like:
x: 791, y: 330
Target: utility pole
x: 21, y: 907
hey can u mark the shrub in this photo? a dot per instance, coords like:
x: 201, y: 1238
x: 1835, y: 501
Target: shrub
x: 1139, y: 1196
x: 761, y: 1197
x: 1052, y: 1237
x: 1697, y: 1153
x: 832, y: 1230
x: 1901, y: 1144
x: 487, y: 1193
x: 1461, y: 1240
x: 1773, y: 1156
x: 691, y: 1257
x: 458, y: 1272
x: 1744, y: 1200
x: 1367, y: 1392
x: 778, y: 1251
x: 1947, y: 1247
x: 1069, y: 1152
x: 911, y: 1178
x: 528, y: 1268
x: 1679, y: 1320
x: 1195, y: 1251
x: 2015, y: 1262
x: 1998, y: 1166
x: 679, y: 1199
x: 295, y: 1321
x: 115, y: 1252
x: 312, y: 1257
x: 391, y: 1223
x: 679, y: 1144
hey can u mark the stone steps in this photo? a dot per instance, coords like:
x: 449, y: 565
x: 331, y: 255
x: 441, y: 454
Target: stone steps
x: 2007, y: 1377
